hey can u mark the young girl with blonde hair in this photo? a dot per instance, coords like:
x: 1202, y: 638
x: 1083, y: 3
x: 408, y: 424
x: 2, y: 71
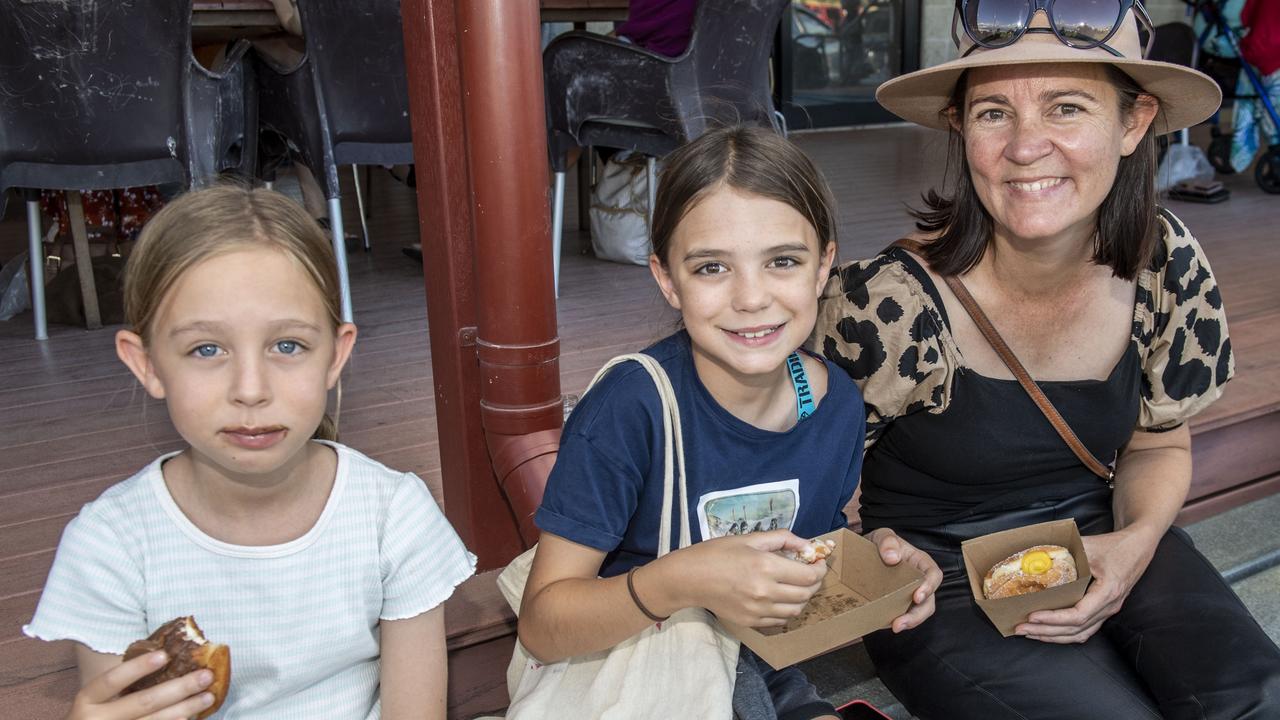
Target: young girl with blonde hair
x: 323, y: 570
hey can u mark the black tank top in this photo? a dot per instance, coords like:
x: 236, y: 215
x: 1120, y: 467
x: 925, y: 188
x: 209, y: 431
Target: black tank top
x: 992, y: 449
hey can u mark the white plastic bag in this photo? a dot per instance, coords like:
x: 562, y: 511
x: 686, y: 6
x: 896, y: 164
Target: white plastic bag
x: 15, y: 297
x: 1182, y: 162
x: 619, y: 211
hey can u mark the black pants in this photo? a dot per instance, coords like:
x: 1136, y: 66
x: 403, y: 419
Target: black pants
x: 1182, y: 645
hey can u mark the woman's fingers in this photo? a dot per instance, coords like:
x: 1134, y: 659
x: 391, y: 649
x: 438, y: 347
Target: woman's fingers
x: 1072, y: 636
x: 110, y: 683
x: 889, y: 544
x: 918, y: 613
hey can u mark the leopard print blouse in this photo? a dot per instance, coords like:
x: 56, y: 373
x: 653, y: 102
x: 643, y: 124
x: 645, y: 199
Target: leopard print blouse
x: 878, y: 323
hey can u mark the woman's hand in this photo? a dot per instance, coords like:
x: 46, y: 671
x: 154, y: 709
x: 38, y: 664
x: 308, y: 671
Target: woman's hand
x: 183, y: 697
x: 1117, y: 560
x: 741, y: 578
x: 895, y: 550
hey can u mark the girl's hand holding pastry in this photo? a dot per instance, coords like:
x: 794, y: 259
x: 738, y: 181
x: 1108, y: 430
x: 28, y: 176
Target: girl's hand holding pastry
x: 743, y: 579
x: 182, y: 697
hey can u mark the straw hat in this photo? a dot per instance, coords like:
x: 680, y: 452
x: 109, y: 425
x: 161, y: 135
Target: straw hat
x: 1186, y: 96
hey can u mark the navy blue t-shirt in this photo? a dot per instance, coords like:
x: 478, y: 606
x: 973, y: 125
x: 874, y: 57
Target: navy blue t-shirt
x: 605, y: 491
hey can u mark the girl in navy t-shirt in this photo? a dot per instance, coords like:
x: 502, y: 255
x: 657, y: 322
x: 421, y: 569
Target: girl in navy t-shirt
x: 743, y: 240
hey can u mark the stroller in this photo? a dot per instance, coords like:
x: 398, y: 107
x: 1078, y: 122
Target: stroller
x: 1267, y: 169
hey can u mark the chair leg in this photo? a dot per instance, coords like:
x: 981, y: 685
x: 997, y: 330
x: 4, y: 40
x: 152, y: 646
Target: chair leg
x: 652, y: 167
x: 368, y: 182
x: 340, y: 254
x: 84, y: 262
x: 585, y: 162
x: 557, y: 230
x: 36, y: 251
x: 364, y: 225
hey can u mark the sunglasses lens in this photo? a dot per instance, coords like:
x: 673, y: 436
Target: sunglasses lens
x: 996, y: 23
x: 1086, y: 22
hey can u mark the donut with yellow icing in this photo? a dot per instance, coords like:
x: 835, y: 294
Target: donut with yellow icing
x: 1031, y: 570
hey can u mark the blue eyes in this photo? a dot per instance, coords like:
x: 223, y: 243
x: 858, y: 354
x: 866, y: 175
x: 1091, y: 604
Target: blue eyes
x: 284, y: 347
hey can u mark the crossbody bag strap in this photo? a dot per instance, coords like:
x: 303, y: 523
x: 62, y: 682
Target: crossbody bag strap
x: 1024, y: 379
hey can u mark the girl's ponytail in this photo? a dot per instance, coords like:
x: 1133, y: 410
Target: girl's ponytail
x: 328, y: 429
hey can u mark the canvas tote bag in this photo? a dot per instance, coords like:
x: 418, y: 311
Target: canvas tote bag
x: 683, y: 667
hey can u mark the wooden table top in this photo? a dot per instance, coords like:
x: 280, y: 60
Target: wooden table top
x: 259, y: 13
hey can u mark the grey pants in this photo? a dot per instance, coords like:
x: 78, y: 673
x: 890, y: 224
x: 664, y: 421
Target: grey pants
x: 762, y: 693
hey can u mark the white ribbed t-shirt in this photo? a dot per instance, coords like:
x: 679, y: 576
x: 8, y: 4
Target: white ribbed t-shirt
x: 301, y: 618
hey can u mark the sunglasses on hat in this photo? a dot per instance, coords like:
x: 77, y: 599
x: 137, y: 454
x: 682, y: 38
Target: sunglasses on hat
x: 1081, y: 24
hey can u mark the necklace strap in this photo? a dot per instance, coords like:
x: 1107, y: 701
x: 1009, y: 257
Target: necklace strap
x: 800, y: 383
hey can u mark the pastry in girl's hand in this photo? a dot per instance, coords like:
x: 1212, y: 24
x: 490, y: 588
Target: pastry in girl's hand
x: 816, y: 550
x: 188, y: 651
x: 1033, y: 569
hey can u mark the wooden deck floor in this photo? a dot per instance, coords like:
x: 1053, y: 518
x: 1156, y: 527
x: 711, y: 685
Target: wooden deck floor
x: 72, y: 421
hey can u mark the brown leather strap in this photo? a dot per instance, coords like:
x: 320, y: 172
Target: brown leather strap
x: 1024, y: 379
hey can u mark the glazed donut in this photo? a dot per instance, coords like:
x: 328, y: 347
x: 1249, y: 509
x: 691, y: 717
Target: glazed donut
x: 1033, y: 569
x: 816, y: 550
x: 188, y: 651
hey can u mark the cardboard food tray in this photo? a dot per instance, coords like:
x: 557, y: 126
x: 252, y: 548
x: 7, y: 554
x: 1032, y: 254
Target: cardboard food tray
x: 981, y: 553
x: 858, y: 595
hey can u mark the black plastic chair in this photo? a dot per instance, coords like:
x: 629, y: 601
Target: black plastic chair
x: 605, y: 92
x: 95, y: 96
x: 345, y: 103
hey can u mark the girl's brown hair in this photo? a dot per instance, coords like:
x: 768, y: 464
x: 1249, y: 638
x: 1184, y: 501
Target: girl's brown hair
x: 206, y: 223
x: 746, y: 158
x: 1127, y: 229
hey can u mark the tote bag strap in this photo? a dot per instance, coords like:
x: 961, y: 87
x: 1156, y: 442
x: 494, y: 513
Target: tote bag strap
x: 672, y: 448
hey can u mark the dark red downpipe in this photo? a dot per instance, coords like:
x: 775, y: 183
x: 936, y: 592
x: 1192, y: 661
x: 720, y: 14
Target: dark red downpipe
x: 518, y: 345
x: 518, y: 316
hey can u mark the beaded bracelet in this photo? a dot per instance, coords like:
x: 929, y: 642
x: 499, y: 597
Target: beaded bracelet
x: 631, y: 588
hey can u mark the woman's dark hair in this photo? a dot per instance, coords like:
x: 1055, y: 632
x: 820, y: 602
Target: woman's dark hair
x: 1126, y: 234
x: 746, y: 158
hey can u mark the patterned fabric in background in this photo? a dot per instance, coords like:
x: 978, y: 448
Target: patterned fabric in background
x: 124, y: 211
x: 1252, y: 128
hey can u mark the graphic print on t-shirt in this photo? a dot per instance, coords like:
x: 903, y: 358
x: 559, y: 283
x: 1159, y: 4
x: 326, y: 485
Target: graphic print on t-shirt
x: 754, y: 508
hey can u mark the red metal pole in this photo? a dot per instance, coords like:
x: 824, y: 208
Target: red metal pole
x: 474, y: 503
x: 518, y: 344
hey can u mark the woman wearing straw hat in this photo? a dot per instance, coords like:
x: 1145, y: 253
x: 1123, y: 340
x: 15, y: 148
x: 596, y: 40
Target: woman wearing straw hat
x: 1050, y: 225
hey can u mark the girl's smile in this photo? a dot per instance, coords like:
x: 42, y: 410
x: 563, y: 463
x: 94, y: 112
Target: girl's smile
x: 756, y: 336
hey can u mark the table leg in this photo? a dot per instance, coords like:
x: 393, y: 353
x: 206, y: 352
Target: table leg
x: 84, y: 261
